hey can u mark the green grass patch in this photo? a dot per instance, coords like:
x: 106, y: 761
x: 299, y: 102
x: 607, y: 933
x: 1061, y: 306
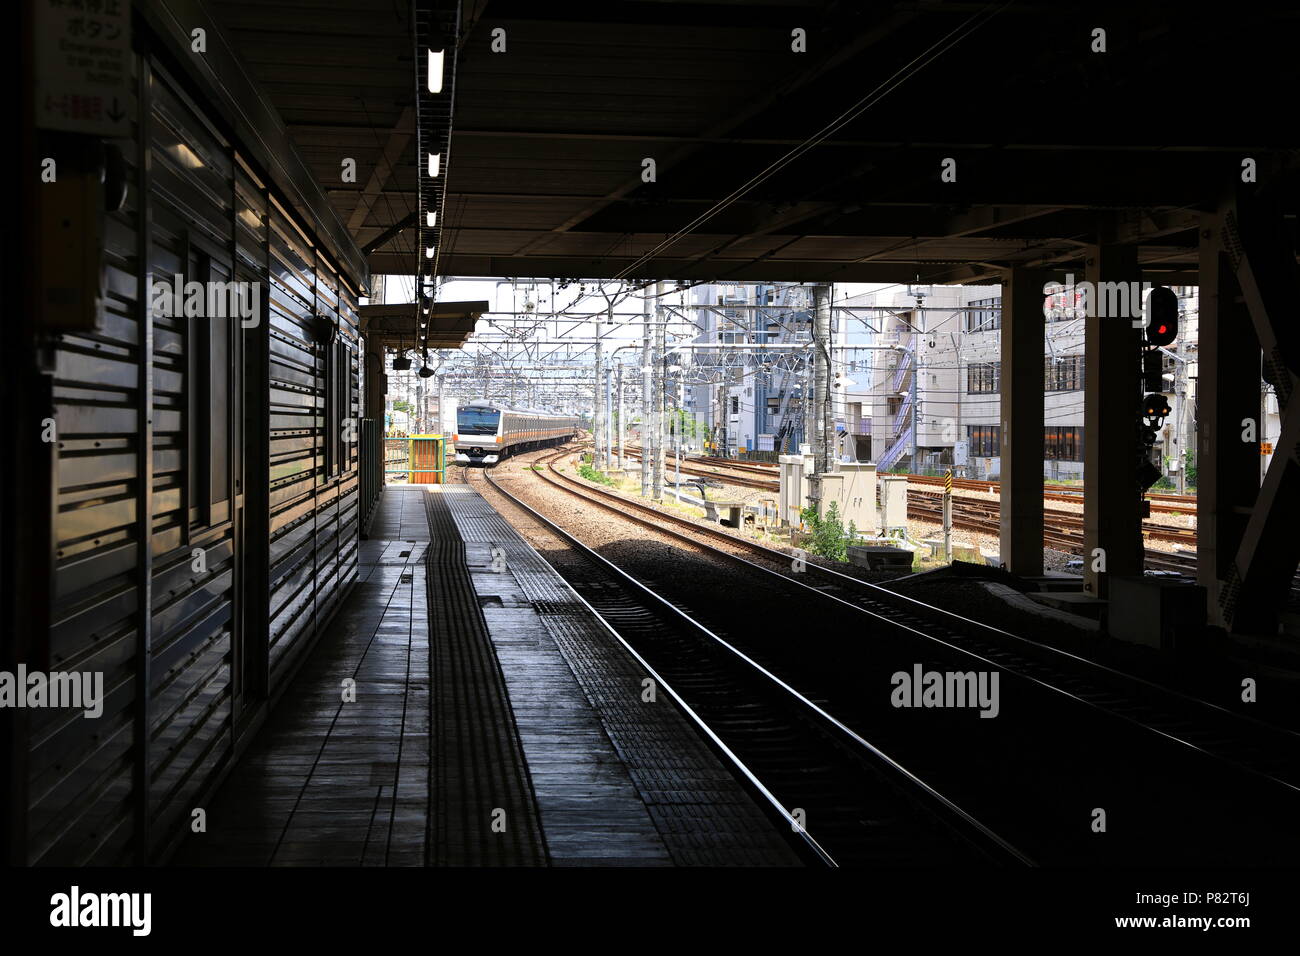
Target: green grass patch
x: 591, y: 474
x: 830, y: 539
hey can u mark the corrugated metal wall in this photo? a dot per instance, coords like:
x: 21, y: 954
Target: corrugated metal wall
x: 314, y: 438
x: 80, y: 773
x: 230, y: 452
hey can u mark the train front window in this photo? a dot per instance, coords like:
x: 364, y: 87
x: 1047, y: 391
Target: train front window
x: 477, y: 421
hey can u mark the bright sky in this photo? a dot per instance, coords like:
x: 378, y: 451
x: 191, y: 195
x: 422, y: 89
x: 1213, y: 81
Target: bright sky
x: 548, y: 298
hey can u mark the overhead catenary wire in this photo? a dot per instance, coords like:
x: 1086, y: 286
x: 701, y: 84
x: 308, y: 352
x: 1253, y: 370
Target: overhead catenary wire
x: 901, y: 75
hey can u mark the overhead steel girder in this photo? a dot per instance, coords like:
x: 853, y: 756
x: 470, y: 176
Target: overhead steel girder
x: 1255, y: 241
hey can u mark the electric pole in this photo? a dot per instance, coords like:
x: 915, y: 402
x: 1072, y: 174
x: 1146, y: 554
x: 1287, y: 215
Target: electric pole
x: 657, y: 392
x: 821, y: 383
x: 598, y: 406
x: 647, y: 370
x: 609, y: 419
x: 622, y: 427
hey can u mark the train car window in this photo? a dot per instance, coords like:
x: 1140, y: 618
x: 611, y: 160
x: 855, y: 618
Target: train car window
x: 473, y: 420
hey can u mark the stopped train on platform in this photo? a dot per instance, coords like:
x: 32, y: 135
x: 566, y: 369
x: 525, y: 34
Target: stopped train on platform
x: 487, y: 432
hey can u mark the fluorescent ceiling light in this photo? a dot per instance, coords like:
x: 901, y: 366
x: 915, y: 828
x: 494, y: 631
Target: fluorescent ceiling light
x: 430, y: 219
x: 435, y: 161
x: 428, y: 253
x: 435, y: 71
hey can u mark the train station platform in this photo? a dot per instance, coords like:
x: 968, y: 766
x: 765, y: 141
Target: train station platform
x: 492, y: 720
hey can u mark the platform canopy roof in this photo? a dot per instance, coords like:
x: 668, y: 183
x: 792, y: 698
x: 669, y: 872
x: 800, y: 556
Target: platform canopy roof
x: 1052, y: 144
x: 447, y: 324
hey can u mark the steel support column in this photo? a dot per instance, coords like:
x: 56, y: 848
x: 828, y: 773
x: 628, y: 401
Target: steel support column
x: 373, y: 385
x: 1021, y: 531
x: 1254, y: 243
x: 1228, y: 392
x: 1112, y: 524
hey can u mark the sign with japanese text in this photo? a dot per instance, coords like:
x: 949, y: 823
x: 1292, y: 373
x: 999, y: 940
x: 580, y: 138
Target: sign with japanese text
x: 83, y: 69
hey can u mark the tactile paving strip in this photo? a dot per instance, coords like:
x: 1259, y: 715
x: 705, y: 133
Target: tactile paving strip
x: 702, y: 814
x: 476, y: 767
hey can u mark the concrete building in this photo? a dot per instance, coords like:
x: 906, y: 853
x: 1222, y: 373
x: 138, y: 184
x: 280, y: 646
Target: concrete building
x: 758, y: 403
x: 750, y: 401
x: 936, y: 397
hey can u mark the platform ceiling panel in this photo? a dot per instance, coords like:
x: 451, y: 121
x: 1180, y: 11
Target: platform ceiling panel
x: 1045, y: 133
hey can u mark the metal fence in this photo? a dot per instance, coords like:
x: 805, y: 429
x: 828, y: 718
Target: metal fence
x: 397, y: 455
x: 418, y: 459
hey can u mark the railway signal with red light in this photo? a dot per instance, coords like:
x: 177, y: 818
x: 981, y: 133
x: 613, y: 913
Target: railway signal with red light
x: 1162, y: 317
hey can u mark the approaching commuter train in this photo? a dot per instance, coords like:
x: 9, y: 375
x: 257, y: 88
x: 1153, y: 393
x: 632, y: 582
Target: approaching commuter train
x: 487, y: 432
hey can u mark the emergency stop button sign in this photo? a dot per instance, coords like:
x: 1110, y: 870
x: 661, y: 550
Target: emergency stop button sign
x: 82, y: 65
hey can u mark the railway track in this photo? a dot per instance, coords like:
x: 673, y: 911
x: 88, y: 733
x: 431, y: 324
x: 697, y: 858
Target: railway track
x: 1062, y: 530
x: 1164, y: 732
x: 1065, y: 527
x: 734, y: 477
x: 1160, y: 503
x: 856, y: 806
x: 1059, y: 492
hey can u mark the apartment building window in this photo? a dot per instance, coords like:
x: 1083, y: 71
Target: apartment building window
x: 1063, y: 443
x: 735, y: 405
x: 983, y: 315
x: 1063, y: 307
x: 1063, y: 373
x: 984, y: 377
x: 985, y: 441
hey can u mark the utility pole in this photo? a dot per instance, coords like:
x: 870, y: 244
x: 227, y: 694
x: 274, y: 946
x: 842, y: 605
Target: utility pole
x: 722, y: 434
x: 657, y: 392
x: 647, y: 371
x: 947, y: 515
x: 622, y: 419
x: 442, y: 392
x: 609, y: 418
x: 681, y: 421
x: 1180, y: 396
x: 805, y: 400
x: 821, y: 388
x: 915, y: 399
x: 598, y: 408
